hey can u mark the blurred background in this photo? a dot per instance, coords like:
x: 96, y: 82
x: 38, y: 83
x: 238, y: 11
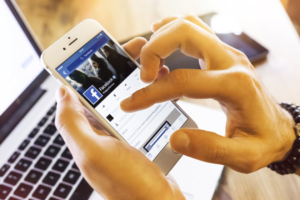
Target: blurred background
x: 51, y: 19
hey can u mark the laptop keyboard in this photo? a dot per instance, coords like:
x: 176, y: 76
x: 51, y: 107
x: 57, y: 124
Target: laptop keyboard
x: 43, y: 167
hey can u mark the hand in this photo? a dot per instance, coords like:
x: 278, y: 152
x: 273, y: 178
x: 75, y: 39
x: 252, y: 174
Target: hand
x: 258, y: 130
x: 113, y: 168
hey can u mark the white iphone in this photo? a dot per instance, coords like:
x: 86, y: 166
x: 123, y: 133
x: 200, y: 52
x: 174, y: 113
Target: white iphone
x: 102, y: 74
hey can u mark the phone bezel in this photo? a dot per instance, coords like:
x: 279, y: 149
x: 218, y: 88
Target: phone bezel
x: 55, y: 56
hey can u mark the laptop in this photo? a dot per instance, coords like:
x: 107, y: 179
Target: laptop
x: 35, y: 163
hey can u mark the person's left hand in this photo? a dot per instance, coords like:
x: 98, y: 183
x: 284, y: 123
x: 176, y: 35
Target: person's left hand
x: 113, y: 168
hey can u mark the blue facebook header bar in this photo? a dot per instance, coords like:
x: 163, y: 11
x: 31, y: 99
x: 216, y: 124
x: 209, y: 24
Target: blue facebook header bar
x: 66, y: 68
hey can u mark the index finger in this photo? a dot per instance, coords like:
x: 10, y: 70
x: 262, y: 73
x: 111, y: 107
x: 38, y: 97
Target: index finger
x: 190, y: 83
x: 134, y: 46
x: 191, y: 39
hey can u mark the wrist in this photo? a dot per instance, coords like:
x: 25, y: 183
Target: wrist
x: 289, y: 160
x: 289, y: 135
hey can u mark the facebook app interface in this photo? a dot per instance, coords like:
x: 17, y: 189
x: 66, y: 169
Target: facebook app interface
x: 104, y: 75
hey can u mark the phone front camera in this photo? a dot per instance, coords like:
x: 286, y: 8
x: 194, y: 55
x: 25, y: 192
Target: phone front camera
x: 64, y: 48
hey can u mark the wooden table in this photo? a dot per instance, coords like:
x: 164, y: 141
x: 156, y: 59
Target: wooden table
x: 266, y: 21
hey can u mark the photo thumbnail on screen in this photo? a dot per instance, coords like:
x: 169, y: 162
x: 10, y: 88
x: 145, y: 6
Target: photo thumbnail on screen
x: 99, y: 70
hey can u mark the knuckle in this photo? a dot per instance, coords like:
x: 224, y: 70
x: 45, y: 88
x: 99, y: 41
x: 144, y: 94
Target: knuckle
x: 140, y: 94
x: 238, y: 55
x: 183, y: 25
x: 216, y: 153
x: 190, y: 16
x: 242, y: 58
x: 185, y: 30
x: 243, y: 78
x: 242, y: 75
x: 179, y: 77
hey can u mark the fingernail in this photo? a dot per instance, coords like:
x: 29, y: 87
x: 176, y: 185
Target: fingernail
x: 152, y: 27
x: 61, y: 92
x: 180, y: 142
x: 124, y: 104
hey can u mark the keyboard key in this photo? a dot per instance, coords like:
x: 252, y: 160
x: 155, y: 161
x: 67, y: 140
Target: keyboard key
x: 52, y: 198
x: 59, y: 140
x: 51, y: 178
x: 24, y: 144
x: 33, y: 176
x: 32, y: 152
x: 60, y: 165
x: 71, y: 177
x: 62, y: 190
x: 12, y: 198
x: 13, y: 157
x: 53, y: 120
x: 4, y: 169
x: 33, y: 133
x: 50, y: 129
x: 51, y: 111
x: 41, y: 192
x: 42, y: 141
x: 43, y: 163
x: 23, y: 190
x: 23, y: 165
x: 13, y: 178
x: 74, y: 166
x: 43, y: 121
x: 4, y: 191
x: 67, y: 154
x: 83, y: 191
x: 52, y: 151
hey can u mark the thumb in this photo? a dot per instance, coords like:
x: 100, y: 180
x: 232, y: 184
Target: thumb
x: 71, y: 121
x: 211, y: 147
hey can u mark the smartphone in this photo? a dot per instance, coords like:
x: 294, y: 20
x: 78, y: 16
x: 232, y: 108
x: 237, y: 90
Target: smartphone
x: 102, y: 74
x: 231, y: 33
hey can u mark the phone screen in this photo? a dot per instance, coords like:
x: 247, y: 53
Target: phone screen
x: 104, y: 75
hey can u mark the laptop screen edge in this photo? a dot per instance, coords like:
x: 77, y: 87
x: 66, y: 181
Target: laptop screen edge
x: 8, y: 114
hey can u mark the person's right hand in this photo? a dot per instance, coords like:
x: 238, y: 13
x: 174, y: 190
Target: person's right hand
x: 258, y: 130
